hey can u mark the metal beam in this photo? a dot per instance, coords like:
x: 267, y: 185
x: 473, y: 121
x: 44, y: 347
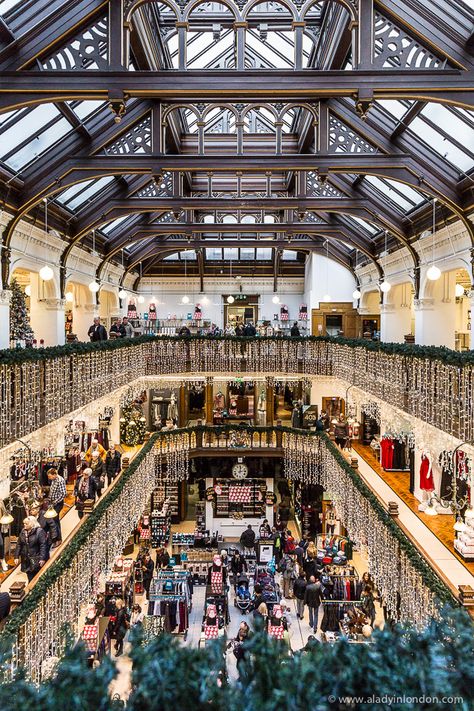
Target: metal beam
x: 448, y: 86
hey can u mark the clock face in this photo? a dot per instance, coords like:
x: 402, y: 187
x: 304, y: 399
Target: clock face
x: 240, y: 471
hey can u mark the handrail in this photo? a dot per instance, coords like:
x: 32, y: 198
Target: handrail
x: 39, y: 386
x: 73, y: 578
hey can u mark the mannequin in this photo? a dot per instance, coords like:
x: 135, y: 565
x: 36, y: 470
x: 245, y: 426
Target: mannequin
x: 426, y: 478
x: 219, y: 401
x: 173, y: 409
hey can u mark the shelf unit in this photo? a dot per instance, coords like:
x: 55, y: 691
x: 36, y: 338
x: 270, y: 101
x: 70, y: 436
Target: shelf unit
x: 253, y: 509
x: 168, y: 327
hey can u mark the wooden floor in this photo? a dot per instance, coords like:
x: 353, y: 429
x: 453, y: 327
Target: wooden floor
x: 441, y: 525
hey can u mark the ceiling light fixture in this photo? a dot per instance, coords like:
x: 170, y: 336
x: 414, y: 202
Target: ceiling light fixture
x: 69, y: 296
x: 94, y: 286
x: 459, y: 290
x: 122, y: 294
x: 276, y: 299
x: 434, y: 272
x: 141, y: 299
x: 46, y: 273
x: 28, y: 289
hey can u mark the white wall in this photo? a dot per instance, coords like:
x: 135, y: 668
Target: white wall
x: 325, y: 276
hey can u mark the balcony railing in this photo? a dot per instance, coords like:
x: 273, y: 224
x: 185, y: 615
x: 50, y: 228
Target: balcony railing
x: 39, y: 386
x: 72, y: 580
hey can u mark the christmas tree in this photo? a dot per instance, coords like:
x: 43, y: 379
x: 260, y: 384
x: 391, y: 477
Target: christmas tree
x: 132, y: 425
x: 20, y: 329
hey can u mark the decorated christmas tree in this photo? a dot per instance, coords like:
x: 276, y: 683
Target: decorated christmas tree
x: 132, y: 425
x: 20, y: 329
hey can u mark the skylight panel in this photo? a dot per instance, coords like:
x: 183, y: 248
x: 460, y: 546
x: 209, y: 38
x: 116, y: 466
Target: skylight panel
x: 86, y: 108
x: 389, y: 192
x: 28, y: 126
x: 171, y: 257
x: 188, y: 255
x: 247, y: 254
x: 115, y: 223
x: 38, y: 144
x: 368, y: 226
x: 8, y: 5
x: 289, y: 255
x: 264, y: 254
x: 73, y: 190
x: 213, y: 253
x: 231, y: 253
x: 92, y: 190
x: 440, y: 143
x: 395, y: 108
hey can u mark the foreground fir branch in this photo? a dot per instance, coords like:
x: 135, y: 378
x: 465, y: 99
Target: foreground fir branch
x: 425, y: 670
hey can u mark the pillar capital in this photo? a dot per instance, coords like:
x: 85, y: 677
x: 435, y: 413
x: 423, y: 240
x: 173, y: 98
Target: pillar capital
x: 426, y: 304
x: 387, y: 308
x: 53, y: 304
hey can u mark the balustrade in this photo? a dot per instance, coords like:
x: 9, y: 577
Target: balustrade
x: 37, y: 387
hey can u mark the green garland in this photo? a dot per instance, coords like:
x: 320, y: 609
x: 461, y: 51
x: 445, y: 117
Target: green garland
x: 432, y: 353
x: 21, y: 614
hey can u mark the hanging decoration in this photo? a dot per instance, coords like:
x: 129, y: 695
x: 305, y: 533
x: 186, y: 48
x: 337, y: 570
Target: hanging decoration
x: 132, y: 425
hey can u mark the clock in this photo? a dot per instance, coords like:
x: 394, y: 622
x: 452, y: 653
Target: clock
x: 240, y: 470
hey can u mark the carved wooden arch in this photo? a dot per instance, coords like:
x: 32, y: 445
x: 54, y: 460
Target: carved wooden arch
x: 347, y: 4
x: 223, y: 105
x: 135, y: 5
x: 285, y: 3
x: 227, y: 3
x: 262, y: 105
x: 298, y: 105
x: 173, y: 107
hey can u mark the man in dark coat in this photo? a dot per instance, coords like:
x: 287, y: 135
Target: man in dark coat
x: 247, y: 539
x: 97, y: 332
x: 148, y: 567
x: 299, y: 589
x: 31, y: 548
x: 312, y: 598
x: 113, y: 463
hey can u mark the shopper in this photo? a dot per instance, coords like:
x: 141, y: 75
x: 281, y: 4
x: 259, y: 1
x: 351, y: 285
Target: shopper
x: 239, y: 330
x: 31, y: 548
x: 238, y: 646
x: 4, y: 565
x: 115, y: 329
x: 85, y: 490
x: 367, y: 603
x: 288, y: 573
x: 295, y: 331
x: 299, y: 589
x: 57, y: 494
x: 148, y: 568
x: 312, y: 598
x: 247, y: 539
x: 290, y: 543
x: 95, y: 447
x: 98, y: 472
x: 238, y: 565
x: 49, y: 525
x: 162, y: 558
x: 341, y: 431
x: 261, y: 612
x: 5, y: 605
x: 136, y: 619
x: 299, y: 553
x: 265, y: 531
x: 97, y: 332
x: 249, y: 330
x: 113, y: 464
x: 184, y: 331
x: 122, y: 624
x: 126, y: 329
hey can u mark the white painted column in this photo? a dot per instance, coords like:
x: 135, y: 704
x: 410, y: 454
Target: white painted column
x: 435, y: 313
x: 395, y: 323
x: 5, y: 297
x: 47, y: 320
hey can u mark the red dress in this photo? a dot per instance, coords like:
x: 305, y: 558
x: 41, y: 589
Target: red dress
x: 426, y: 476
x: 386, y: 448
